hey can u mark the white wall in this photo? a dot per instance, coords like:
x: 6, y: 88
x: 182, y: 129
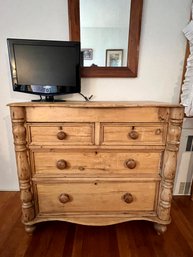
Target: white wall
x: 22, y: 19
x: 160, y: 65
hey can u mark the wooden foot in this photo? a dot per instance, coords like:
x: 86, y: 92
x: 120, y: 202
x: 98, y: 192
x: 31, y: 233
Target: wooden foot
x: 160, y: 229
x: 30, y: 228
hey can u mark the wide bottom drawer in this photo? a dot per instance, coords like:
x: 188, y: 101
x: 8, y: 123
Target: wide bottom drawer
x: 96, y: 196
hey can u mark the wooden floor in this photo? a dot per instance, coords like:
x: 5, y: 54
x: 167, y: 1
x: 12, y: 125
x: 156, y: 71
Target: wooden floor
x: 61, y: 239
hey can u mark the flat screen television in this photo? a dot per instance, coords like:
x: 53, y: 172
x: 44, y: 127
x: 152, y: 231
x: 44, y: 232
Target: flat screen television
x: 43, y: 67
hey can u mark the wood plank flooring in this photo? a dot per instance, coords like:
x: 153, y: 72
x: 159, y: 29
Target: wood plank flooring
x: 61, y: 239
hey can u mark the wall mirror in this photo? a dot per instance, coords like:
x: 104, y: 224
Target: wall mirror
x: 109, y: 31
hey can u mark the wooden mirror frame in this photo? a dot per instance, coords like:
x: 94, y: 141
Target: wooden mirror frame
x: 133, y: 45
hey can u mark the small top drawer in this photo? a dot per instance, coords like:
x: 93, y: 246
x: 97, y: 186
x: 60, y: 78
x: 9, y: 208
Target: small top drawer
x: 133, y: 133
x: 61, y: 134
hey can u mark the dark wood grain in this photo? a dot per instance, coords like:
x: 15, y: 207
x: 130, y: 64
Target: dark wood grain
x: 74, y: 20
x: 61, y: 239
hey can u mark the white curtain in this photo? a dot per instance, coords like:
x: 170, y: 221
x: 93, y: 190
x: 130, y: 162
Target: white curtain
x: 187, y: 87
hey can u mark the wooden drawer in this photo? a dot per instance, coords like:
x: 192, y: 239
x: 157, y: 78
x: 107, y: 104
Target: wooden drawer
x: 61, y: 134
x: 94, y: 163
x: 133, y: 134
x: 96, y: 112
x: 96, y: 196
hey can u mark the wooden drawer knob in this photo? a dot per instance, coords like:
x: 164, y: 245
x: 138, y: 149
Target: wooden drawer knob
x: 64, y: 198
x: 61, y: 135
x: 127, y: 198
x: 133, y: 134
x: 61, y: 164
x: 131, y: 164
x: 158, y: 131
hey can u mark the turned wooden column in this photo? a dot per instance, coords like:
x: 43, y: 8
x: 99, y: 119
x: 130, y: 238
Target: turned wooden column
x: 169, y: 167
x: 23, y: 167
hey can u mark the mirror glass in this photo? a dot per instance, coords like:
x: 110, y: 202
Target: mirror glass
x: 104, y: 32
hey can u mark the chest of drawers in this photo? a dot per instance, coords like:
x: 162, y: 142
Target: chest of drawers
x: 96, y: 163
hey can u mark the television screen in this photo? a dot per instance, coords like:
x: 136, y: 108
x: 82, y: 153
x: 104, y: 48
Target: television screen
x: 45, y: 67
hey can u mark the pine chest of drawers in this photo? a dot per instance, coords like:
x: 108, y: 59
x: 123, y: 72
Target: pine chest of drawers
x: 96, y: 163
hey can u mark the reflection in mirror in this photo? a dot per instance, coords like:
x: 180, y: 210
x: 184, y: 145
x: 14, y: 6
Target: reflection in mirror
x: 121, y: 22
x: 104, y: 32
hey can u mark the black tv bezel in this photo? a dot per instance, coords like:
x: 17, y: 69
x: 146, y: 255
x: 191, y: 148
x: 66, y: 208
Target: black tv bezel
x: 12, y: 61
